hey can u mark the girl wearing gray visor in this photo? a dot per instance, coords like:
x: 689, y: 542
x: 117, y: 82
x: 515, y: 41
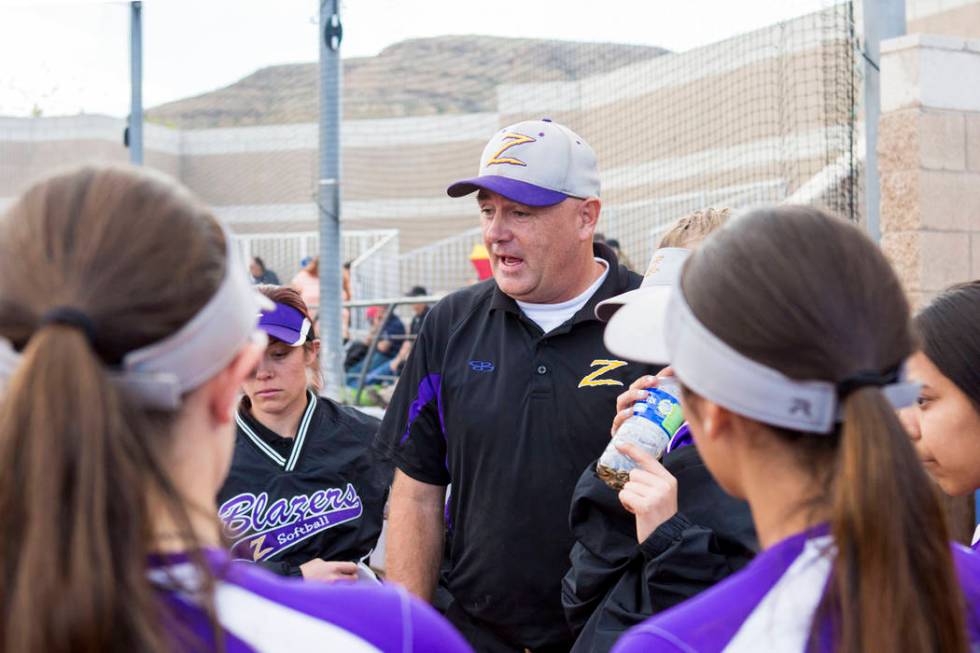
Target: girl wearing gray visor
x: 305, y: 494
x: 127, y: 328
x: 788, y: 331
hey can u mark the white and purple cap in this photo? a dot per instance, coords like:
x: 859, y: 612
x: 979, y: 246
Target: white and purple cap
x: 535, y: 162
x: 285, y: 323
x: 635, y: 339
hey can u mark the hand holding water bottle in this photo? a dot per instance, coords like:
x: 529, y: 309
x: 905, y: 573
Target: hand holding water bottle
x: 651, y: 492
x: 647, y: 418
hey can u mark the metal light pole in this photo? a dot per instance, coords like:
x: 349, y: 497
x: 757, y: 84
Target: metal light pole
x: 135, y: 140
x: 883, y: 19
x: 328, y: 198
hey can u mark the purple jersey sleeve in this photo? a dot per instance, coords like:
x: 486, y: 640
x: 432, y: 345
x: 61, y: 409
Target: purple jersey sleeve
x: 258, y: 611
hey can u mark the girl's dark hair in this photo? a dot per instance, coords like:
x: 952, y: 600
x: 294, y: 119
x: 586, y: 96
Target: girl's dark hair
x: 80, y: 463
x: 811, y: 296
x: 949, y: 334
x: 259, y: 262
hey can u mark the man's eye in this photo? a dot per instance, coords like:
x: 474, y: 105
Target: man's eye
x: 922, y: 401
x: 522, y: 214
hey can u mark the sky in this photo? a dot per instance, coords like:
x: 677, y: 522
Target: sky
x: 64, y: 57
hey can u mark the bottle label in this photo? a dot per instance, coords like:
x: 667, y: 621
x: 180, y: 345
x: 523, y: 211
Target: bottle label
x: 662, y: 409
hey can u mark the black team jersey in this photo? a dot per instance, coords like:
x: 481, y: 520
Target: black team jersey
x: 511, y: 417
x: 318, y: 495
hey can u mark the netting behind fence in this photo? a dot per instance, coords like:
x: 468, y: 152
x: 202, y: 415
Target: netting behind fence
x: 761, y: 117
x: 765, y: 116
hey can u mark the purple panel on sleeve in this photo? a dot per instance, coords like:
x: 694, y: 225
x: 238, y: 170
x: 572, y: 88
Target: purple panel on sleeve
x: 387, y: 617
x: 710, y: 620
x: 430, y: 387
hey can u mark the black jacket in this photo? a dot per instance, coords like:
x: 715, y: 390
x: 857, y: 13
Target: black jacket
x: 320, y: 494
x: 614, y: 583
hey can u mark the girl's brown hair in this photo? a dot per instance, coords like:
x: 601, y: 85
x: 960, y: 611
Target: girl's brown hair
x: 695, y: 227
x: 80, y: 462
x: 811, y: 296
x: 949, y: 333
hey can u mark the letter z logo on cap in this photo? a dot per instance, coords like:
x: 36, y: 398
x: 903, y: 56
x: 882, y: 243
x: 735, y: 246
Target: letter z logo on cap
x: 514, y: 140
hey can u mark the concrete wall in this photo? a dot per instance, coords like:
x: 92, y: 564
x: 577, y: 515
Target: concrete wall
x: 929, y: 149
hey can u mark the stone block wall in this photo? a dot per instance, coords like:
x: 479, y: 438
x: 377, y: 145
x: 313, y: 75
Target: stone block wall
x: 929, y: 160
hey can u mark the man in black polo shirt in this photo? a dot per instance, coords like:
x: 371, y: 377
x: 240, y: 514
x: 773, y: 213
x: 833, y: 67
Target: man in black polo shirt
x: 508, y: 395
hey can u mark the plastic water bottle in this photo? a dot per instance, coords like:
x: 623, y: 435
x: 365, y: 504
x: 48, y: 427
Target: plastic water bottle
x: 654, y: 422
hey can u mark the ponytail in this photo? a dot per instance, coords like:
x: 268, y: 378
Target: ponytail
x: 76, y: 532
x: 893, y: 585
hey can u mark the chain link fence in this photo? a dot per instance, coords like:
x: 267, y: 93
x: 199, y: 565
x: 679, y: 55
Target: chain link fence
x: 765, y: 116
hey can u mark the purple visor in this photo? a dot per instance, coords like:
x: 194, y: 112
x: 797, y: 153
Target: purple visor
x: 512, y: 189
x: 285, y: 323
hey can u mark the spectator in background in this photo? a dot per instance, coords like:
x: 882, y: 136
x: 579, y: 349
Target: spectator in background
x: 420, y: 310
x: 261, y: 275
x: 307, y: 283
x: 346, y: 294
x: 389, y: 336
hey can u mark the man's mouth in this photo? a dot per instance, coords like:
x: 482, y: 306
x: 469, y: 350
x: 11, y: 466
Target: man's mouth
x: 509, y: 261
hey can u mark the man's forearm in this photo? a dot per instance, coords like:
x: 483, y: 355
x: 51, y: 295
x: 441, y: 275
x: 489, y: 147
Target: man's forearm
x: 415, y: 535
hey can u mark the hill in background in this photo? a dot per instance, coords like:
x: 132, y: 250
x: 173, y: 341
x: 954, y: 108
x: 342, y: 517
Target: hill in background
x: 417, y: 77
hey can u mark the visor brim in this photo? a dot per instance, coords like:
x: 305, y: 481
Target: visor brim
x: 636, y: 328
x: 513, y: 189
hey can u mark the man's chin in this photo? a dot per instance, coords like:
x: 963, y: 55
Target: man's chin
x: 515, y: 288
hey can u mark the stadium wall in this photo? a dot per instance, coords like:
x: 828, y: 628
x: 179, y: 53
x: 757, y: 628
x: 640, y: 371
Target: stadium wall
x: 929, y: 157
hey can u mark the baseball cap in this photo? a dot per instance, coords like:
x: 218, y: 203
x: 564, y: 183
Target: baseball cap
x: 535, y: 162
x: 285, y: 323
x: 635, y: 328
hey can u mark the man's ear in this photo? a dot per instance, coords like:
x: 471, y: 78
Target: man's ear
x: 588, y: 216
x: 224, y: 387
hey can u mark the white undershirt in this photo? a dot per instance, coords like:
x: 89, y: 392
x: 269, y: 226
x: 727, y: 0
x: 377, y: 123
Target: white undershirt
x: 549, y: 316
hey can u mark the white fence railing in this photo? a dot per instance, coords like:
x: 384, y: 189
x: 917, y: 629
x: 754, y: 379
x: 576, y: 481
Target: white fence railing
x: 283, y: 252
x: 443, y: 265
x: 379, y: 270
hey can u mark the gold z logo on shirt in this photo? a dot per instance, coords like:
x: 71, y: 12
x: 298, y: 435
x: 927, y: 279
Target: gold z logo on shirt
x: 592, y: 379
x: 514, y: 139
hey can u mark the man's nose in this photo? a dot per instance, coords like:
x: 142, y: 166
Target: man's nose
x: 496, y: 230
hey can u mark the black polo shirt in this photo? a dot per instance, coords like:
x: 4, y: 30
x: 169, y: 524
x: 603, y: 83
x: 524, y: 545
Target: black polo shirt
x: 510, y: 416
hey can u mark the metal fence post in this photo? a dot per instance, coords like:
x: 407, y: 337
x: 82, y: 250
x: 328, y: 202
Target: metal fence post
x: 883, y: 19
x: 331, y: 339
x: 136, y: 83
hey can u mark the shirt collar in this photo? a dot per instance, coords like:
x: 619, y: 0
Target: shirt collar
x: 263, y: 437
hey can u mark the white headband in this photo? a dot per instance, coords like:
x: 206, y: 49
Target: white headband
x: 719, y: 373
x: 159, y: 374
